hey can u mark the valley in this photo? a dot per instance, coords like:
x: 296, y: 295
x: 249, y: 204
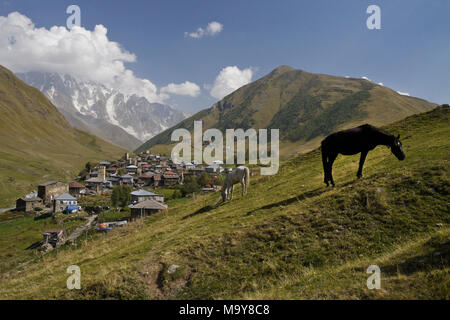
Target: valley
x: 226, y: 159
x: 290, y: 237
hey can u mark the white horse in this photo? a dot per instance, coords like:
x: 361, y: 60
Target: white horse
x: 240, y: 174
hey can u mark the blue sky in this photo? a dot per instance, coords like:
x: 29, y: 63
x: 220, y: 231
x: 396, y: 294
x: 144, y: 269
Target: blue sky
x: 411, y: 52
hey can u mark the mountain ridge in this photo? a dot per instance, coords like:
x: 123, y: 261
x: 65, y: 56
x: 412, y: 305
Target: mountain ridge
x: 303, y: 105
x: 125, y: 120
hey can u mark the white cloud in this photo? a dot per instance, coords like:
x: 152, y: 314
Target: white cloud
x: 214, y: 27
x: 82, y: 53
x: 403, y: 93
x: 381, y: 84
x: 211, y: 29
x: 186, y: 88
x: 230, y: 79
x: 365, y: 78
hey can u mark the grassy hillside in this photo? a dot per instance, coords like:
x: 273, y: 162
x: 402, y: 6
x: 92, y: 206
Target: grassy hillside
x: 21, y: 232
x: 304, y: 106
x: 289, y: 238
x: 36, y: 141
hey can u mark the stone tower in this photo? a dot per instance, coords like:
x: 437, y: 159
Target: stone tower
x: 102, y: 172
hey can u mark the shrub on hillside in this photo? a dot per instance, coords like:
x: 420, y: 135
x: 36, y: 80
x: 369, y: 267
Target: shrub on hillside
x: 121, y: 196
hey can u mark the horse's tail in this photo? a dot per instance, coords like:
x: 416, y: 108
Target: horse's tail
x: 324, y: 162
x: 247, y: 178
x: 324, y: 155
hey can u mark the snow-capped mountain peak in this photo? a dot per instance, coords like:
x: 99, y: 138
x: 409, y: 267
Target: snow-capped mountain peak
x: 93, y: 103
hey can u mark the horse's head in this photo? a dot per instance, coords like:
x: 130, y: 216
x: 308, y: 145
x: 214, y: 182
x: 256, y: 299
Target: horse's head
x: 396, y: 148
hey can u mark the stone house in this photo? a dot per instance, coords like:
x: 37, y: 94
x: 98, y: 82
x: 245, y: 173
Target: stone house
x: 146, y: 167
x: 197, y: 171
x: 146, y: 179
x: 132, y: 169
x: 76, y: 189
x: 28, y: 204
x: 93, y: 174
x: 112, y: 171
x: 157, y: 180
x: 112, y: 182
x: 49, y: 190
x: 95, y: 184
x: 170, y: 178
x: 127, y: 179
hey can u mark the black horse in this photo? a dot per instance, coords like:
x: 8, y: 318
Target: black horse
x: 352, y: 141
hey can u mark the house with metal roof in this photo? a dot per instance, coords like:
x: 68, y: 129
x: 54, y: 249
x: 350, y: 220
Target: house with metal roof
x: 214, y: 168
x: 146, y: 208
x: 127, y: 179
x: 112, y: 181
x: 65, y: 201
x: 143, y: 195
x: 189, y: 166
x: 95, y: 184
x: 132, y: 169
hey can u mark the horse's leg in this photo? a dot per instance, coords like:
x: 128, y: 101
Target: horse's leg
x: 361, y: 163
x: 243, y: 186
x: 325, y: 167
x: 232, y: 189
x: 331, y: 159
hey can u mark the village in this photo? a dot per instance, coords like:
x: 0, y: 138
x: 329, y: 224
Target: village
x: 132, y: 187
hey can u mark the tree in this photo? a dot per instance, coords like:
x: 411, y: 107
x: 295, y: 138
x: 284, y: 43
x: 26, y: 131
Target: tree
x: 125, y: 196
x: 176, y: 194
x: 219, y: 180
x: 121, y: 196
x: 205, y: 179
x: 89, y: 166
x: 190, y: 186
x: 115, y: 196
